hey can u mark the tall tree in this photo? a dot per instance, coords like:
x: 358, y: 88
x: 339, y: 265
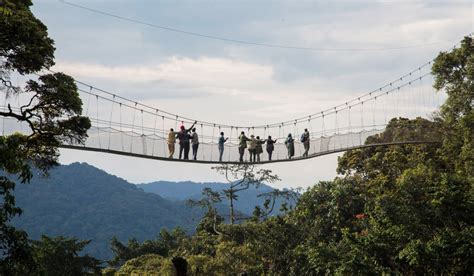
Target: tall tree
x: 53, y: 115
x: 406, y: 209
x: 241, y: 177
x: 60, y: 256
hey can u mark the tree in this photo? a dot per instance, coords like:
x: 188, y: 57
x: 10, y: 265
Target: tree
x: 163, y: 245
x: 53, y: 116
x: 59, y: 256
x: 4, y: 9
x: 454, y: 74
x: 404, y: 209
x: 208, y: 223
x: 148, y: 263
x: 241, y: 177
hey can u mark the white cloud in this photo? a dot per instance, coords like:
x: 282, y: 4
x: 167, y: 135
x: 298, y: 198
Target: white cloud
x: 250, y: 87
x: 239, y: 84
x: 201, y: 72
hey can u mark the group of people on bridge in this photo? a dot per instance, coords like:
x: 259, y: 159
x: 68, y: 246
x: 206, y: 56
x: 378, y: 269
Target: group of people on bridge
x: 188, y: 138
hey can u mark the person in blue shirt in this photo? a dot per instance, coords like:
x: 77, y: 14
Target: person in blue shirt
x: 220, y: 144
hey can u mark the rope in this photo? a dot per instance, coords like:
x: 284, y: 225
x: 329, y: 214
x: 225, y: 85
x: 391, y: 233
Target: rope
x: 350, y: 125
x: 323, y: 127
x: 89, y: 102
x: 213, y: 133
x: 230, y: 141
x: 98, y: 133
x: 337, y: 131
x: 164, y: 140
x: 423, y: 66
x: 297, y: 138
x: 357, y: 101
x: 144, y: 148
x: 133, y: 129
x: 121, y: 132
x: 154, y: 133
x: 202, y: 137
x: 240, y: 41
x: 312, y: 147
x: 423, y: 94
x: 374, y: 107
x: 110, y: 123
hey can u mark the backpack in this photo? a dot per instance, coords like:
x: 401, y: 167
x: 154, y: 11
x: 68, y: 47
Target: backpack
x: 303, y: 138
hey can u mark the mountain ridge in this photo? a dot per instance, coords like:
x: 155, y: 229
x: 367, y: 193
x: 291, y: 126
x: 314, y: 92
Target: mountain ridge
x: 83, y: 201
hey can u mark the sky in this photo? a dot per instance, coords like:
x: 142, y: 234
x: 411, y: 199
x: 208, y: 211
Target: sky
x: 241, y: 84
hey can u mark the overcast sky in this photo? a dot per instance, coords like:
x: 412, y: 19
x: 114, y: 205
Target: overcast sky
x: 243, y: 84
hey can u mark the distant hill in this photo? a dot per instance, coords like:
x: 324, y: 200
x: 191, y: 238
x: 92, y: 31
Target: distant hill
x: 247, y: 199
x: 85, y: 202
x: 82, y: 201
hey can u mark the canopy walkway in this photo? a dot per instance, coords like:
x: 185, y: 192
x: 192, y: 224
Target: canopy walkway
x: 126, y: 127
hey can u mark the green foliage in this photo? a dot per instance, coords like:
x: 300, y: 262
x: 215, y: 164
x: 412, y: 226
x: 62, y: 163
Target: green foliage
x: 402, y: 209
x: 53, y: 115
x: 162, y: 246
x: 406, y: 209
x: 59, y: 256
x: 149, y: 264
x: 200, y: 265
x: 24, y: 40
x: 108, y: 271
x: 454, y: 74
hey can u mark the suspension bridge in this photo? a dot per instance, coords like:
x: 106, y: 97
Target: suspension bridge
x: 126, y: 127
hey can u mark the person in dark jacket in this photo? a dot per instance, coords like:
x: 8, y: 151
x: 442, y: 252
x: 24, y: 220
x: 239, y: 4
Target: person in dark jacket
x: 184, y: 137
x: 259, y: 148
x: 270, y: 147
x: 290, y: 146
x: 306, y: 142
x: 242, y: 145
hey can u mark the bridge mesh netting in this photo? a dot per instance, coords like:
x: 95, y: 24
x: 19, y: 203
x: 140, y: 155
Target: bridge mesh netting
x: 123, y: 126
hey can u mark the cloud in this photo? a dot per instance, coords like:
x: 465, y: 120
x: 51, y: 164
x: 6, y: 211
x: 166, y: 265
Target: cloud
x: 239, y: 84
x: 182, y: 71
x: 251, y: 85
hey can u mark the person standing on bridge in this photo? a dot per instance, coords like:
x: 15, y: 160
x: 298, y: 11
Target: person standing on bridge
x: 220, y: 145
x: 242, y: 145
x: 270, y: 147
x: 259, y: 148
x: 290, y: 146
x: 252, y: 148
x: 195, y: 143
x: 306, y: 142
x: 171, y: 142
x: 184, y: 138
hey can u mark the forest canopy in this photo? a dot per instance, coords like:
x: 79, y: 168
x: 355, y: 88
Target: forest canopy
x: 405, y: 209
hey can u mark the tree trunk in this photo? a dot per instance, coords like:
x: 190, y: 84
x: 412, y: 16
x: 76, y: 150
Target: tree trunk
x: 231, y: 193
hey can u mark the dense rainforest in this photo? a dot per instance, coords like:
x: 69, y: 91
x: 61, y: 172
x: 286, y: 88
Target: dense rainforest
x: 405, y: 209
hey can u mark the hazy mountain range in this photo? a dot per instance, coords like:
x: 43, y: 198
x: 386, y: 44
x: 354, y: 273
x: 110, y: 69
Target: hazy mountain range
x: 85, y: 202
